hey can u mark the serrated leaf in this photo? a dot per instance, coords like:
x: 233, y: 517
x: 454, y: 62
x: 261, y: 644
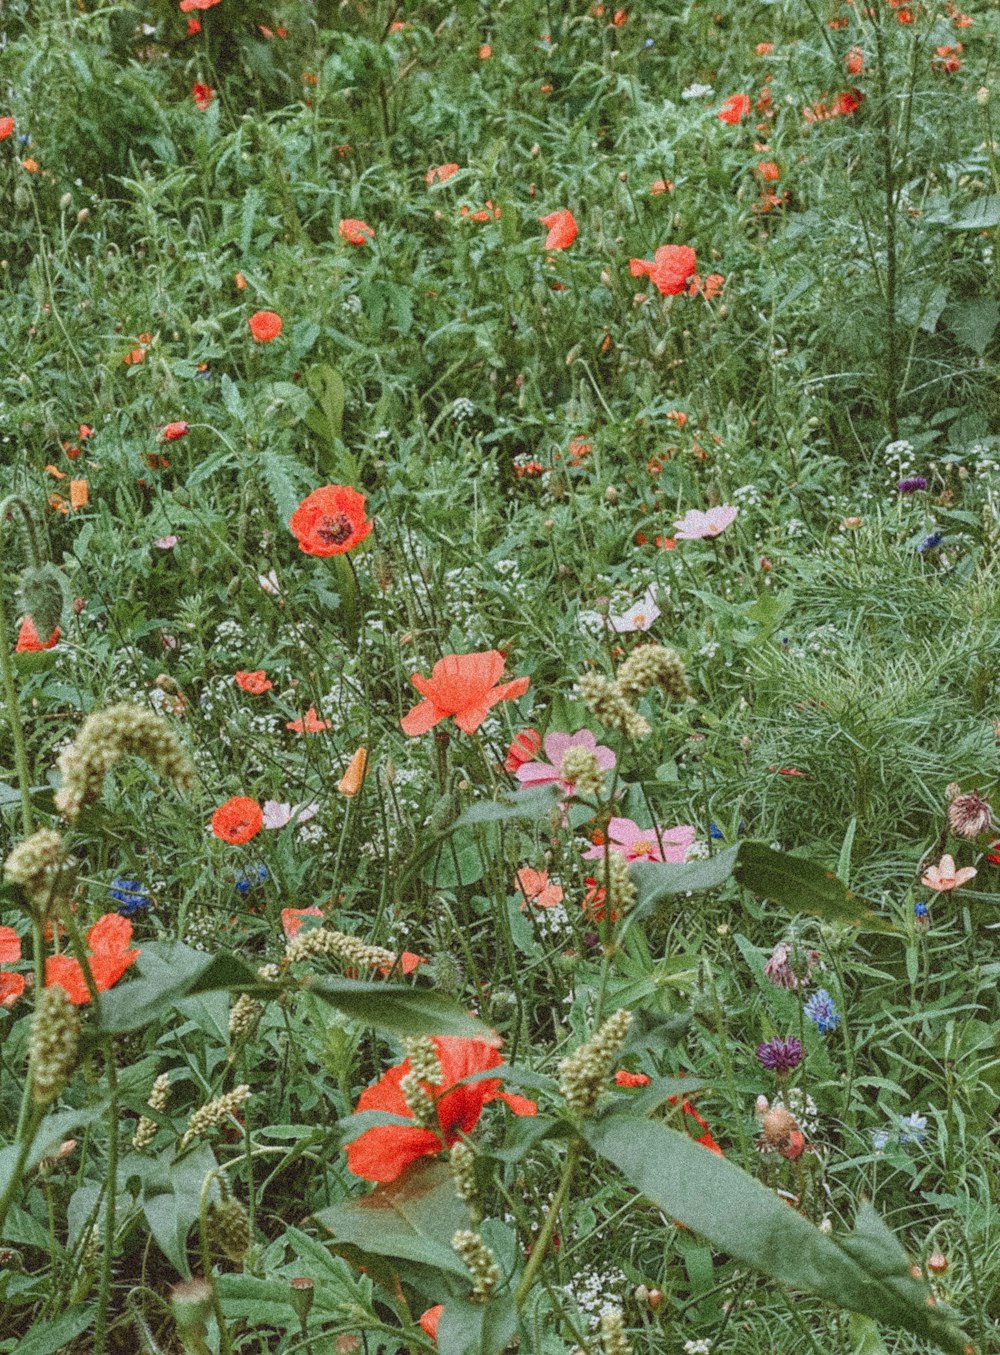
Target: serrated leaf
x: 865, y: 1272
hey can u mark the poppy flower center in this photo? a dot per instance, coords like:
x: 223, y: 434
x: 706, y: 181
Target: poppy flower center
x: 334, y: 531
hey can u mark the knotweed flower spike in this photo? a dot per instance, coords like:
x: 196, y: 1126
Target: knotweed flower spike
x: 104, y: 739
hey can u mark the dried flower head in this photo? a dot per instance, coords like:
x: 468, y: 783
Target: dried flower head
x: 969, y: 815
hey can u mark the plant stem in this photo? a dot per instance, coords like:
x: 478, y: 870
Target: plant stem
x: 538, y: 1251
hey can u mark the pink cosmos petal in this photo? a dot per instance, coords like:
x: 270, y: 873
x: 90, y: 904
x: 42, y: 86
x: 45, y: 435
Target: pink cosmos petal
x: 696, y: 526
x: 165, y: 542
x: 537, y: 774
x: 640, y: 616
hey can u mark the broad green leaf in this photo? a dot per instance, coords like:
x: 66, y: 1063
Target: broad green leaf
x: 413, y: 1218
x: 867, y: 1271
x: 398, y: 1007
x: 980, y: 215
x: 171, y: 1193
x: 803, y: 887
x: 974, y: 322
x: 53, y: 1130
x: 656, y: 881
x: 58, y: 1334
x: 169, y: 971
x: 533, y: 805
x: 469, y: 1328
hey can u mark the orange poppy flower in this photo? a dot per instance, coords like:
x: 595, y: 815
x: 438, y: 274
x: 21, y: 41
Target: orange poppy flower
x: 79, y: 494
x: 463, y: 686
x: 238, y: 820
x: 193, y: 27
x: 330, y: 521
x: 534, y: 886
x: 173, y: 431
x: 735, y: 109
x: 6, y: 128
x: 709, y: 287
x: 659, y: 186
x: 265, y: 326
x: 11, y: 985
x: 309, y: 724
x: 384, y: 1152
x: 525, y: 748
x: 354, y: 778
x: 30, y: 642
x: 355, y: 232
x: 109, y: 941
x: 485, y: 52
x: 188, y: 5
x: 431, y: 1320
x: 626, y: 1079
x: 670, y: 268
x: 764, y: 48
x: 256, y: 683
x: 562, y: 229
x: 202, y: 95
x: 439, y: 173
x: 31, y: 165
x: 293, y: 918
x: 239, y: 282
x: 768, y: 171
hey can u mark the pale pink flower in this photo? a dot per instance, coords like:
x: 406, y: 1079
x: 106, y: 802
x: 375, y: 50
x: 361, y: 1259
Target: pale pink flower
x: 640, y: 616
x: 645, y: 844
x: 944, y: 877
x: 695, y: 525
x: 277, y: 815
x: 165, y: 542
x: 556, y: 746
x: 269, y: 583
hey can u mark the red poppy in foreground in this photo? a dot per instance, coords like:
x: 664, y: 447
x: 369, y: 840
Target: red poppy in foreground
x: 238, y: 820
x: 265, y: 325
x: 463, y: 686
x: 441, y: 173
x: 6, y: 128
x: 383, y: 1153
x: 330, y: 521
x: 30, y: 642
x: 525, y: 748
x: 110, y: 955
x: 355, y: 232
x: 670, y: 268
x: 735, y: 109
x: 562, y: 229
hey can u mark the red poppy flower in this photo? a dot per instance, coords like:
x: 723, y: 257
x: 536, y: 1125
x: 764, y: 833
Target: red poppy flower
x: 6, y: 128
x: 238, y: 820
x: 439, y: 173
x: 431, y: 1320
x: 626, y: 1079
x: 768, y: 171
x: 670, y: 268
x: 709, y: 288
x: 485, y: 52
x: 764, y: 48
x: 188, y: 5
x: 293, y: 918
x: 525, y: 748
x: 660, y: 186
x: 562, y: 229
x: 355, y: 232
x: 384, y: 1153
x: 309, y: 724
x: 11, y: 985
x: 847, y: 103
x: 193, y: 27
x: 256, y: 683
x: 735, y: 109
x: 265, y: 326
x: 173, y: 431
x: 405, y: 963
x: 202, y: 95
x: 330, y: 521
x: 110, y: 955
x: 463, y: 686
x: 30, y: 642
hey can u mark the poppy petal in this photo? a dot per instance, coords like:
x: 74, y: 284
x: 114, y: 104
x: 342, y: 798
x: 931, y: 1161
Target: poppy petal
x: 10, y: 945
x: 383, y: 1153
x: 424, y: 716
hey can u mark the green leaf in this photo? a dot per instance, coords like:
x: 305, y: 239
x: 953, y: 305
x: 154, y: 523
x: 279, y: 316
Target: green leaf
x: 867, y: 1271
x: 533, y: 805
x: 168, y: 972
x: 981, y: 215
x: 803, y: 887
x: 974, y: 322
x: 398, y: 1007
x: 58, y: 1334
x: 413, y: 1218
x: 469, y: 1328
x: 171, y: 1194
x: 656, y: 881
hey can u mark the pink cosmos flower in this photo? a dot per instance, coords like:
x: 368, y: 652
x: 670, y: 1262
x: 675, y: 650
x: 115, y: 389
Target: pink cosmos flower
x: 944, y: 877
x: 277, y: 815
x: 165, y: 542
x: 695, y: 525
x: 556, y: 747
x: 644, y: 844
x: 640, y: 616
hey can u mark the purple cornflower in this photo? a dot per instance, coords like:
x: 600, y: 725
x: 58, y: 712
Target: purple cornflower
x: 911, y: 485
x: 780, y: 1056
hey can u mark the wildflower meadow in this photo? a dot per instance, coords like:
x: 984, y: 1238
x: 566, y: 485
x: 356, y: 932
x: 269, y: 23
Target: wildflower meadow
x: 499, y: 638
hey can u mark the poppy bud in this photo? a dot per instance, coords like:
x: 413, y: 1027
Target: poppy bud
x: 191, y: 1301
x: 611, y: 494
x: 302, y: 1295
x: 233, y: 588
x: 655, y: 1299
x: 66, y: 201
x: 78, y: 605
x: 983, y: 95
x: 937, y: 1263
x: 641, y: 1294
x: 83, y: 215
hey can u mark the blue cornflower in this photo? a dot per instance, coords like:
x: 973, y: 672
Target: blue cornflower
x: 246, y: 880
x: 912, y: 1128
x: 131, y: 896
x: 880, y: 1139
x: 821, y: 1011
x: 715, y: 832
x: 920, y: 911
x: 930, y: 542
x: 649, y: 42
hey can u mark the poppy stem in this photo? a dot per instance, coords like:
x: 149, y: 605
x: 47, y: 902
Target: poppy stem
x: 7, y: 507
